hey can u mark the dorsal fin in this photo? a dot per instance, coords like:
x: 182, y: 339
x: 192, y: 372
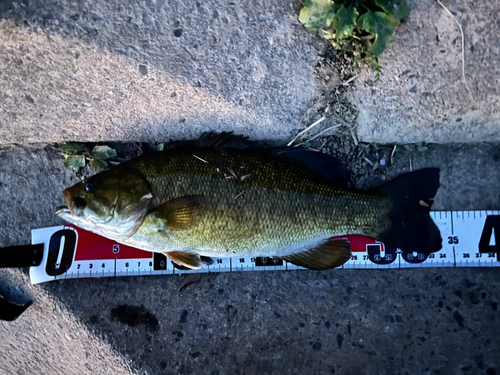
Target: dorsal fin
x: 328, y: 166
x: 223, y: 140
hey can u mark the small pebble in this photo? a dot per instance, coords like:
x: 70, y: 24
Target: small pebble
x: 146, y: 19
x: 382, y: 162
x: 494, y: 50
x: 143, y: 69
x: 53, y: 98
x: 264, y: 18
x: 74, y: 78
x: 115, y: 121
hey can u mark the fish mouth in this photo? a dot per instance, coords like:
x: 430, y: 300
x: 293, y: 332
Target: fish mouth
x: 70, y: 205
x: 76, y: 205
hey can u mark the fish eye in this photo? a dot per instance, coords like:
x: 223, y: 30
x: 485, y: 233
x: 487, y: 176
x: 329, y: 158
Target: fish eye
x: 91, y: 188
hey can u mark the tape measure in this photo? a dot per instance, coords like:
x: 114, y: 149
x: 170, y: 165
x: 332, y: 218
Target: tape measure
x: 470, y: 239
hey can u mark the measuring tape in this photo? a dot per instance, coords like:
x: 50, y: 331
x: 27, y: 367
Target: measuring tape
x: 470, y: 239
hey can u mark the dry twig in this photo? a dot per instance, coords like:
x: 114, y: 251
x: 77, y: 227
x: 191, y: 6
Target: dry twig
x: 306, y: 130
x: 392, y: 155
x: 317, y: 135
x: 463, y: 49
x: 190, y: 278
x: 197, y: 157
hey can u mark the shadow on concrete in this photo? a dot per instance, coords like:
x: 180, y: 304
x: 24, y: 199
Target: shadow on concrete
x: 179, y: 69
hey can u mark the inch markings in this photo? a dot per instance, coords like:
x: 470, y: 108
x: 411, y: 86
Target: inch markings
x: 470, y: 239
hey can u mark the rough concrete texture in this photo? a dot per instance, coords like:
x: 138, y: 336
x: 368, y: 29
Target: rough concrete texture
x: 421, y: 96
x: 153, y: 70
x: 340, y: 322
x: 51, y: 340
x: 420, y: 321
x: 96, y: 70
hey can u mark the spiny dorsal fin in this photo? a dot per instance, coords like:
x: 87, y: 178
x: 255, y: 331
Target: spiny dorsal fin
x: 181, y: 213
x: 223, y: 140
x: 189, y: 260
x: 330, y: 254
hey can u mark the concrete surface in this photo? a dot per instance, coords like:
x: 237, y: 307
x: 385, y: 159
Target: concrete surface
x: 51, y: 340
x: 148, y: 71
x: 421, y: 321
x: 421, y: 96
x: 336, y: 322
x: 154, y: 70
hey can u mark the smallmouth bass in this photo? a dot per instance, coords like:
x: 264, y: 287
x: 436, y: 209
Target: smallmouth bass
x: 196, y: 202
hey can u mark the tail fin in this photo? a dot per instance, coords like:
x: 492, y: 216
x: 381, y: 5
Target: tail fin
x: 412, y: 228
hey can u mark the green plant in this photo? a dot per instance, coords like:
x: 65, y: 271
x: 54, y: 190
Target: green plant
x: 361, y: 29
x: 418, y: 147
x: 77, y: 155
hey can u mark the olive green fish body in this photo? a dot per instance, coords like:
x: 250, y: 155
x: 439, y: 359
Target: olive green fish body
x: 255, y: 204
x: 193, y: 202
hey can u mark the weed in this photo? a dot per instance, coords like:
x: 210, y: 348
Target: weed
x: 359, y: 30
x: 77, y: 155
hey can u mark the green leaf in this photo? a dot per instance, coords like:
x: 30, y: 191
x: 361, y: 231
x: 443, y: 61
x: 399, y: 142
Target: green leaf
x: 73, y: 146
x: 344, y: 22
x: 381, y: 25
x: 410, y: 147
x: 327, y: 34
x: 422, y: 148
x: 161, y: 146
x: 317, y: 14
x: 101, y: 164
x: 75, y: 161
x: 103, y: 152
x: 306, y: 144
x: 396, y: 8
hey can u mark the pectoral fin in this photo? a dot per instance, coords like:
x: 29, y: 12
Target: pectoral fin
x: 181, y: 213
x: 189, y: 260
x: 330, y: 254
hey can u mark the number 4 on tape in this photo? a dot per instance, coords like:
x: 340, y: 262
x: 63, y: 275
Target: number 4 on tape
x: 490, y: 238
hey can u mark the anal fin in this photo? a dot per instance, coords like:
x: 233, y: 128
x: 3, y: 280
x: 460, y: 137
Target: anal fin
x: 330, y: 254
x: 189, y: 260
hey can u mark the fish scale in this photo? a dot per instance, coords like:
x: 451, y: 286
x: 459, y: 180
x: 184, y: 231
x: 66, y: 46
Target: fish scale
x: 281, y: 208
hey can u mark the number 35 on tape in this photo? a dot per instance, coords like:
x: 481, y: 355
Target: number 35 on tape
x: 470, y: 239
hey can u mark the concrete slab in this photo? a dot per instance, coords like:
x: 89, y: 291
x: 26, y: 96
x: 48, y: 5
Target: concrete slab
x: 420, y: 321
x: 148, y: 71
x: 48, y: 339
x: 421, y: 96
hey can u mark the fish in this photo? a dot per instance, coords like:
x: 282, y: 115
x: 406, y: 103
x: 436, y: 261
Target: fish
x: 221, y: 198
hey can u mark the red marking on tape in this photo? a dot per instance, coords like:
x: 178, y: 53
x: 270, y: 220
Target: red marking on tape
x: 359, y: 242
x: 91, y: 246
